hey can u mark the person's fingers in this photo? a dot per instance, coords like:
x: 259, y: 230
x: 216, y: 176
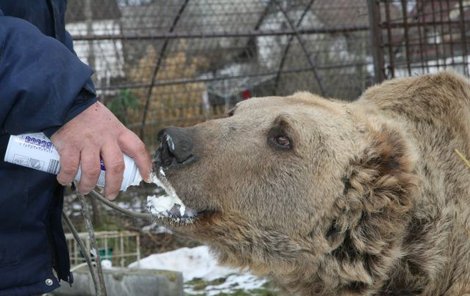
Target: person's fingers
x: 90, y: 169
x: 133, y: 147
x: 114, y: 163
x: 93, y: 129
x: 69, y: 162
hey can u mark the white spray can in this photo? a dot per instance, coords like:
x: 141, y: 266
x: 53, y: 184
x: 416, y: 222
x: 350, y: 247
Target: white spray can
x: 36, y: 151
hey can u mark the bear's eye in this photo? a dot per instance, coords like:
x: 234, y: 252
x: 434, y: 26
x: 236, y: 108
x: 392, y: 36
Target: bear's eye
x: 281, y: 142
x: 279, y: 135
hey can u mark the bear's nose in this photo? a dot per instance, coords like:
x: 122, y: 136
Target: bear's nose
x: 176, y: 147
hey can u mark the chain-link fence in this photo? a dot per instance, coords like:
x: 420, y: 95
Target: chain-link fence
x: 179, y: 62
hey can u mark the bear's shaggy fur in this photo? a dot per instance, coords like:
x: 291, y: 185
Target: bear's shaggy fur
x: 337, y: 198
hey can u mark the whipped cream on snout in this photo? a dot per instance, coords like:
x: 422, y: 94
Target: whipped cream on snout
x: 169, y: 205
x: 164, y: 204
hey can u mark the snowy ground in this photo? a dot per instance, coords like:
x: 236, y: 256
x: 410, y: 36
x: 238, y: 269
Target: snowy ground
x: 203, y: 276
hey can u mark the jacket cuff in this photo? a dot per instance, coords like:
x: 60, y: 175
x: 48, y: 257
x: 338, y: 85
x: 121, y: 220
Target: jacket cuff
x: 84, y: 100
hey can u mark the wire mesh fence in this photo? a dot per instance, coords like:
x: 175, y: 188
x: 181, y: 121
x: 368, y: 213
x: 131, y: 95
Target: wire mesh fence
x: 160, y: 63
x: 420, y: 36
x: 180, y: 62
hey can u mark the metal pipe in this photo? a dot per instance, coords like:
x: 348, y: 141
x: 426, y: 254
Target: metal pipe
x: 197, y: 80
x: 463, y: 35
x: 376, y: 40
x: 84, y: 251
x: 405, y: 29
x: 101, y: 291
x: 222, y: 34
x: 418, y: 17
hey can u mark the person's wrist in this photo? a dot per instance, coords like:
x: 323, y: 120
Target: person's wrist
x: 84, y: 100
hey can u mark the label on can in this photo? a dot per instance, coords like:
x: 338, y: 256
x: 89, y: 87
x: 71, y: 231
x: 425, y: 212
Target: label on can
x: 35, y: 151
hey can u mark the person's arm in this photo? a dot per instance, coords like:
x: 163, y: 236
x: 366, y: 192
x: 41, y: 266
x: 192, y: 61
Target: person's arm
x: 41, y: 81
x: 45, y: 87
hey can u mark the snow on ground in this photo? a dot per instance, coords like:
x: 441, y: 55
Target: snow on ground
x: 199, y: 264
x: 192, y: 262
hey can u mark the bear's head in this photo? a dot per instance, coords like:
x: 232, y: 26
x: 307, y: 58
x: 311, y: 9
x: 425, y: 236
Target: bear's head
x: 313, y: 192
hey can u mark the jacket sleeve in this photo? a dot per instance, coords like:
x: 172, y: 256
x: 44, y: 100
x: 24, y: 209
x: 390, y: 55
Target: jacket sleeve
x: 43, y: 84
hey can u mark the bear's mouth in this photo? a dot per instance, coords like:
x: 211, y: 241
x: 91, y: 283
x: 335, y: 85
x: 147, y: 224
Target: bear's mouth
x: 169, y: 207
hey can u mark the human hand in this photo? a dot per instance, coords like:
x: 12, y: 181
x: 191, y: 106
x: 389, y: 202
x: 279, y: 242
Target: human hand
x: 97, y: 134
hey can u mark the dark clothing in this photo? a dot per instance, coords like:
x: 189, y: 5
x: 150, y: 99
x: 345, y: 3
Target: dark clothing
x: 42, y: 86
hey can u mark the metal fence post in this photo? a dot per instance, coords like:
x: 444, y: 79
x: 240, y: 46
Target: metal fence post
x: 376, y: 45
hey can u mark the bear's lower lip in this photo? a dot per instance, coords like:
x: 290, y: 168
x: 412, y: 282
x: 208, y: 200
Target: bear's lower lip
x: 167, y: 208
x: 175, y: 215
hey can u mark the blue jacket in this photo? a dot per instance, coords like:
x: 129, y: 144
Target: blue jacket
x: 42, y: 86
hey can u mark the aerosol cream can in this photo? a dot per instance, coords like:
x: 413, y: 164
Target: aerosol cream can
x: 36, y: 151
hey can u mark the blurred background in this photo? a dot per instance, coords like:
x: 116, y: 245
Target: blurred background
x: 179, y: 62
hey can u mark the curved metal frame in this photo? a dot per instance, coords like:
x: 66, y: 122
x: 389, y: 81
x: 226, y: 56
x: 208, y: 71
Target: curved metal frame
x: 293, y: 27
x: 158, y: 65
x: 302, y: 45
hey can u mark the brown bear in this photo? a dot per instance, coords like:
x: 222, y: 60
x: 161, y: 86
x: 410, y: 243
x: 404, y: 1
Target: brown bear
x: 334, y: 198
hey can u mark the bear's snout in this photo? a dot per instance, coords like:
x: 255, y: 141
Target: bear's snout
x: 176, y: 148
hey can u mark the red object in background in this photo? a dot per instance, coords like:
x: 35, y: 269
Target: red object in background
x: 246, y: 94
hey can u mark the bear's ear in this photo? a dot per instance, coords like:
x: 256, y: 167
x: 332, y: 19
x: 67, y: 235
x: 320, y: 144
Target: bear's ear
x: 383, y: 175
x: 373, y: 213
